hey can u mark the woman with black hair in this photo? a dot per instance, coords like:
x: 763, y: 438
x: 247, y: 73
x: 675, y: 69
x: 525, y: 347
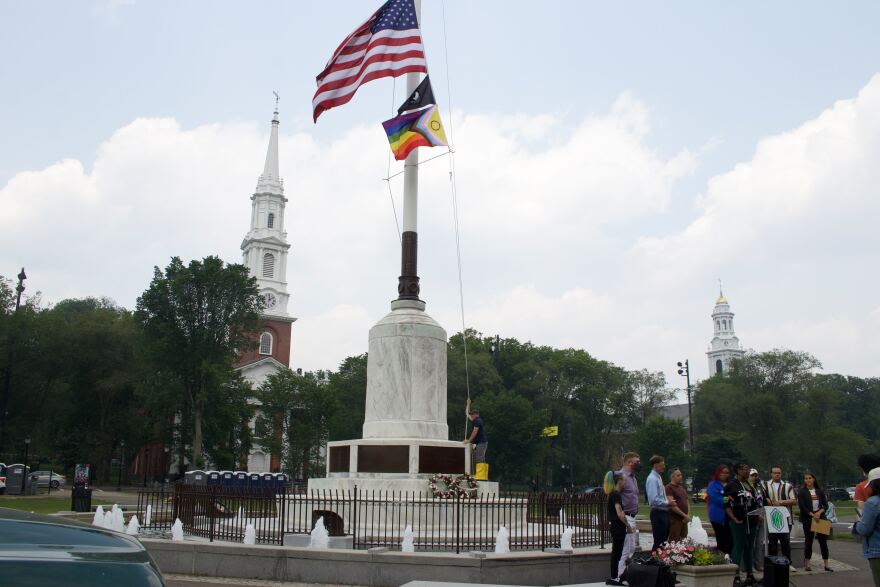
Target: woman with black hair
x: 812, y: 504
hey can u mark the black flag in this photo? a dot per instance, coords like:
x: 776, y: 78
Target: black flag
x: 421, y: 97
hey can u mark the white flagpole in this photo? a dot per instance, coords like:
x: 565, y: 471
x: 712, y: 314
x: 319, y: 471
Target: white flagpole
x: 408, y: 286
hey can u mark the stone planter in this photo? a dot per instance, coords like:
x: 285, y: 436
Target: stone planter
x: 708, y: 576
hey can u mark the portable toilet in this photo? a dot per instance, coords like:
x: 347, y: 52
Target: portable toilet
x: 226, y: 479
x: 213, y: 478
x: 188, y: 478
x: 200, y: 479
x: 255, y: 480
x: 240, y: 478
x: 268, y: 480
x: 280, y: 481
x: 15, y: 479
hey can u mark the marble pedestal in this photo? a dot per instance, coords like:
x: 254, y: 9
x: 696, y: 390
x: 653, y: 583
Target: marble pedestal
x: 405, y: 435
x: 394, y: 464
x: 406, y: 375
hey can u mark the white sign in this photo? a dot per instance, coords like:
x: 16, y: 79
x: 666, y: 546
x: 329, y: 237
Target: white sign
x: 778, y: 519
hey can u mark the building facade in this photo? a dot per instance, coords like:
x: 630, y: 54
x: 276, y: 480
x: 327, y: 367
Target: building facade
x: 725, y: 344
x: 264, y: 253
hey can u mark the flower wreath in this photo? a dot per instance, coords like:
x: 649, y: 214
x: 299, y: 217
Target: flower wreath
x: 459, y: 486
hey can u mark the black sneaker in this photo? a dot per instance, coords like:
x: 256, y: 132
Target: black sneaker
x: 613, y: 582
x: 737, y: 581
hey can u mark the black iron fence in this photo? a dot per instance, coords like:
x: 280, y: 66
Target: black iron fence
x: 534, y: 521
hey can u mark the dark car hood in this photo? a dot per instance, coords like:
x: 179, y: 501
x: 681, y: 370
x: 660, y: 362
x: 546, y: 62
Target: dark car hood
x: 35, y: 547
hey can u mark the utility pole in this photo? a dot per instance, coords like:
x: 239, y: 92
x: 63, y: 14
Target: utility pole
x: 19, y: 289
x: 685, y: 371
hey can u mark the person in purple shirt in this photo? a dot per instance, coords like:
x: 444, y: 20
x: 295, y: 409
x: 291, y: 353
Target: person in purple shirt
x: 632, y: 464
x: 629, y: 502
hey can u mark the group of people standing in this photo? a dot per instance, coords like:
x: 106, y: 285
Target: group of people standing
x: 736, y: 499
x: 736, y: 506
x: 670, y: 509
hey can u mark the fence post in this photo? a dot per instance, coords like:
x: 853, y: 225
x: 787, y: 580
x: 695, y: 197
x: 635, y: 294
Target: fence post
x: 543, y: 514
x: 212, y: 503
x: 354, y: 524
x: 457, y: 515
x: 175, y: 503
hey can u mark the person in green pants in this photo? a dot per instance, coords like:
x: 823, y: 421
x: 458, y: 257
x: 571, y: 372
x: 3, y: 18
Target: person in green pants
x: 741, y: 501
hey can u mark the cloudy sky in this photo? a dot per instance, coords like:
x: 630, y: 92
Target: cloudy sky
x: 614, y: 160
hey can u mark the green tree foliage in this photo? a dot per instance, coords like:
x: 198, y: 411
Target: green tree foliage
x: 196, y: 318
x: 346, y: 393
x: 774, y: 410
x: 711, y: 451
x: 514, y: 436
x: 664, y: 437
x: 292, y: 420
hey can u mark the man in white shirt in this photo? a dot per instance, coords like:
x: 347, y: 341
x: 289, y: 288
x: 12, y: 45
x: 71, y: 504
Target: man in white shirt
x: 780, y: 493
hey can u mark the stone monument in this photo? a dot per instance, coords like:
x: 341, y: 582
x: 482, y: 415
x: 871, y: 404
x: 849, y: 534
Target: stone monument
x: 405, y: 435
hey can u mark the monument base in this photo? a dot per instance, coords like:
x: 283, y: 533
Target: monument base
x: 394, y: 464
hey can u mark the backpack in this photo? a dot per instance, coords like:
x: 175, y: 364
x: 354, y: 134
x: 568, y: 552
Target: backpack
x: 648, y: 572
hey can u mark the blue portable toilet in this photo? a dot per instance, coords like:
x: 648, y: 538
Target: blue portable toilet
x: 268, y: 480
x: 226, y: 479
x: 213, y: 478
x: 188, y: 478
x: 280, y: 481
x: 200, y: 479
x: 255, y: 481
x: 240, y: 478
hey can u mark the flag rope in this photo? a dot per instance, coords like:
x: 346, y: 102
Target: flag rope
x: 388, y: 172
x: 454, y: 196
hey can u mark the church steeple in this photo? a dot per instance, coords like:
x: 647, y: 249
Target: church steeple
x: 725, y: 344
x: 265, y: 246
x: 270, y: 181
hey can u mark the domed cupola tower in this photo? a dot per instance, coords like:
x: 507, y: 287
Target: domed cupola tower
x: 725, y: 344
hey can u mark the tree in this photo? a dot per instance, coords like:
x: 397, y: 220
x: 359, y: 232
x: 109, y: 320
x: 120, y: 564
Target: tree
x: 664, y: 437
x: 513, y: 428
x: 649, y: 394
x: 346, y: 395
x: 711, y: 451
x: 292, y: 420
x: 197, y: 317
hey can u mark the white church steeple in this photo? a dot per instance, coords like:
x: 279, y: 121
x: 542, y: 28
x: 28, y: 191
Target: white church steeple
x: 265, y: 246
x: 725, y: 344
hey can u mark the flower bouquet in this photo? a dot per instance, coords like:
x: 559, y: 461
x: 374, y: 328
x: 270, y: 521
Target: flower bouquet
x: 695, y: 565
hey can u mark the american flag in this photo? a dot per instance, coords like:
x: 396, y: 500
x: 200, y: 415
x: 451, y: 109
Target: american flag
x: 389, y: 44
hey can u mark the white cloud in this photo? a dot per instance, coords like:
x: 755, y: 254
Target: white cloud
x: 552, y: 212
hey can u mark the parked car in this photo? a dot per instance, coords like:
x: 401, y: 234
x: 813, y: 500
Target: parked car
x: 700, y: 496
x: 48, y: 478
x: 2, y: 478
x: 47, y: 550
x: 837, y: 494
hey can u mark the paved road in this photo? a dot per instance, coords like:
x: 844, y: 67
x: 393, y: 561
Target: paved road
x: 847, y: 552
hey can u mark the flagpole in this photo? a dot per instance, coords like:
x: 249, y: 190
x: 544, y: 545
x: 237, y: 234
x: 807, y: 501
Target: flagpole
x: 408, y: 282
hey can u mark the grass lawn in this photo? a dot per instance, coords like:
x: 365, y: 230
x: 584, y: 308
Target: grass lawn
x: 41, y: 504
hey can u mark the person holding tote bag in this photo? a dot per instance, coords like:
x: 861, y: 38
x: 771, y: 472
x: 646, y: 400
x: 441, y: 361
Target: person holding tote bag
x: 812, y: 504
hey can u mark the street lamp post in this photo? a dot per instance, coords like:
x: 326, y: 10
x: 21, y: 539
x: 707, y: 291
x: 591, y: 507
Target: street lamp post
x: 27, y: 447
x: 684, y: 370
x: 19, y: 289
x: 121, y: 466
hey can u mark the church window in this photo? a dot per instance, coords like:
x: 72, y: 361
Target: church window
x: 719, y: 367
x: 271, y: 222
x: 724, y: 324
x: 265, y: 344
x: 268, y: 265
x: 718, y: 325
